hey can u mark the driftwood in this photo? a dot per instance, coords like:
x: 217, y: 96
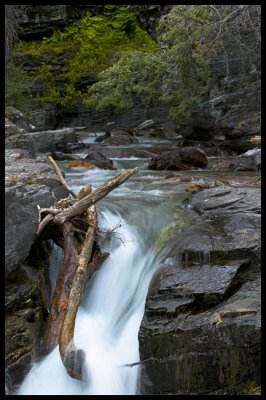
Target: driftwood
x: 78, y: 225
x: 68, y: 351
x: 82, y: 205
x: 61, y: 293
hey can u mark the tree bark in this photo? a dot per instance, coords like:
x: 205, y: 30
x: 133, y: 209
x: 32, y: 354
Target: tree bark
x: 61, y: 293
x: 81, y: 258
x: 72, y: 358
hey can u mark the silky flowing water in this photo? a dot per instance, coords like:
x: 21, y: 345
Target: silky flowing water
x: 138, y: 213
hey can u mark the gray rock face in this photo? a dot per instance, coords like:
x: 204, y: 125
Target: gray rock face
x: 28, y: 183
x: 44, y: 141
x: 15, y: 122
x: 201, y: 323
x: 38, y: 21
x: 149, y: 15
x: 249, y: 161
x: 23, y: 325
x: 227, y: 201
x: 233, y: 107
x: 200, y: 347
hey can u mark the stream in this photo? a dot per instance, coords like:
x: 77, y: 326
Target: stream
x: 138, y: 214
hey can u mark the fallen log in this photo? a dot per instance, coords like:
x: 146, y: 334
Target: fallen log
x: 64, y: 281
x: 81, y: 258
x: 72, y: 358
x: 81, y: 206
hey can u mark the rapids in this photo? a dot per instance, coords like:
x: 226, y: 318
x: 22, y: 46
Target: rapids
x: 140, y: 213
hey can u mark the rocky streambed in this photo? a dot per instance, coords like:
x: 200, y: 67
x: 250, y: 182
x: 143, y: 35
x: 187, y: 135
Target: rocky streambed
x: 200, y: 332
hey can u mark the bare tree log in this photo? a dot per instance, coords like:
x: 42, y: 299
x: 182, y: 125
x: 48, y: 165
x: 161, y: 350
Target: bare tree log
x: 61, y: 293
x: 74, y: 271
x: 57, y: 170
x: 72, y: 358
x: 80, y: 206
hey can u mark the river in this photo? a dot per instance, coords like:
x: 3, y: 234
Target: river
x: 139, y: 213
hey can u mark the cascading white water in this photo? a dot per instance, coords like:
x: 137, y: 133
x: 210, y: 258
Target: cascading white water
x: 107, y: 322
x: 110, y: 314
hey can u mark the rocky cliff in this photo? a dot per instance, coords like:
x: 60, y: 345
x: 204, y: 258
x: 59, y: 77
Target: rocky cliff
x: 228, y: 118
x: 38, y: 21
x: 231, y: 114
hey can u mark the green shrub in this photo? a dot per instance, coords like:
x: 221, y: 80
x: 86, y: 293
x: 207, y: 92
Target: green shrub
x: 89, y: 46
x: 17, y: 86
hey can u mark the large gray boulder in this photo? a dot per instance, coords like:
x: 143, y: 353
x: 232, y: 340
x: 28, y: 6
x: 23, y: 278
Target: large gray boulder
x: 28, y: 182
x: 43, y: 141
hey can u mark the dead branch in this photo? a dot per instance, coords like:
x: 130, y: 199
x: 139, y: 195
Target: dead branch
x: 68, y: 188
x: 80, y: 206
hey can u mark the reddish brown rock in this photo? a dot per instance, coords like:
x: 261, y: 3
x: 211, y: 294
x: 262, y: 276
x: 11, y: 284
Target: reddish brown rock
x: 83, y: 164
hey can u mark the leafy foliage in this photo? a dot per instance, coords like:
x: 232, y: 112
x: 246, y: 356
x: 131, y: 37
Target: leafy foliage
x: 177, y: 74
x: 89, y: 45
x: 190, y: 36
x: 17, y: 86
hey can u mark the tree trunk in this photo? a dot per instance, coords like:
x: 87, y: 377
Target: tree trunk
x: 61, y: 293
x: 72, y: 358
x: 81, y: 258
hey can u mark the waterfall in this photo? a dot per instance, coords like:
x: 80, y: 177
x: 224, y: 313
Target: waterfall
x: 107, y: 321
x: 112, y: 308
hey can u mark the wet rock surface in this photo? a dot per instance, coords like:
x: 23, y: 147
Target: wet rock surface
x: 43, y: 141
x: 201, y: 330
x: 99, y: 160
x: 15, y: 122
x: 181, y: 158
x: 248, y: 161
x: 28, y: 182
x: 23, y: 325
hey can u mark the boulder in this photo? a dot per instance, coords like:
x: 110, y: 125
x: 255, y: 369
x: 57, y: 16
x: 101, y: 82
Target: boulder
x: 70, y: 147
x: 28, y: 182
x: 226, y: 201
x: 120, y: 140
x: 17, y: 118
x: 100, y: 160
x: 101, y: 138
x: 149, y: 128
x: 181, y: 158
x: 248, y: 161
x: 43, y: 141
